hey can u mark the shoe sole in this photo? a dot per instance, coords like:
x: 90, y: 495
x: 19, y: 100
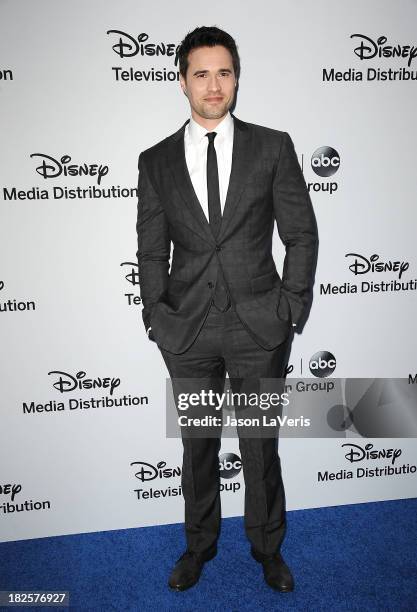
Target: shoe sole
x: 283, y: 590
x: 183, y: 588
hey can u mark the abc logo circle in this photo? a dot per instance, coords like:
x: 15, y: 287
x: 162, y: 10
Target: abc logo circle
x: 322, y: 364
x: 325, y: 161
x: 230, y: 465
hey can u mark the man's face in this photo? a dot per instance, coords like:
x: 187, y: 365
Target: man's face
x: 210, y: 82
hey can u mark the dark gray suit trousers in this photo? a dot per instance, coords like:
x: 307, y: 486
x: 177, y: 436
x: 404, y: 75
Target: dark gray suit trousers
x: 224, y: 345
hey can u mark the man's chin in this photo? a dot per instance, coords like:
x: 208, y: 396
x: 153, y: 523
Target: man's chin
x: 214, y: 113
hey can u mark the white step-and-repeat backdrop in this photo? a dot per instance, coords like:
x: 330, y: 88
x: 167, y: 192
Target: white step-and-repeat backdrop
x: 86, y: 86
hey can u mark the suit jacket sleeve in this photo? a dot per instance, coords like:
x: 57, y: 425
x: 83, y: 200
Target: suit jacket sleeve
x: 153, y: 243
x: 297, y: 229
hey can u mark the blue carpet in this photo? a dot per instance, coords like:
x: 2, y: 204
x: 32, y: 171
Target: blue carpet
x: 355, y: 557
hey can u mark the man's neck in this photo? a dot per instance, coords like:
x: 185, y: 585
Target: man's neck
x: 207, y: 124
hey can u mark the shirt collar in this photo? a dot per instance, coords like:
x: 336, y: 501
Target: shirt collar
x: 224, y: 129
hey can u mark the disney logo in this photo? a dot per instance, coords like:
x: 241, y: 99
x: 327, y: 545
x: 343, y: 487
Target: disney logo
x: 128, y: 46
x: 51, y: 168
x: 369, y: 49
x: 66, y: 382
x: 147, y: 471
x: 362, y: 265
x: 357, y: 453
x: 10, y: 489
x: 133, y: 275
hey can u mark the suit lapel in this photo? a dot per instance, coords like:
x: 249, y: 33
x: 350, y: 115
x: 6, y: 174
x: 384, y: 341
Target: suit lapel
x: 240, y: 169
x: 178, y: 166
x: 241, y: 163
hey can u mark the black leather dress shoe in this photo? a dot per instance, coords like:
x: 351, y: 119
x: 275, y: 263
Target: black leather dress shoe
x: 187, y: 569
x: 276, y: 572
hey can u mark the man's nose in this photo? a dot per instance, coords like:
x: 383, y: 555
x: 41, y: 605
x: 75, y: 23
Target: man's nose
x: 214, y: 84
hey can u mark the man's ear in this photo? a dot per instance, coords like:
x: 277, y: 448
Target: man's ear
x: 183, y: 86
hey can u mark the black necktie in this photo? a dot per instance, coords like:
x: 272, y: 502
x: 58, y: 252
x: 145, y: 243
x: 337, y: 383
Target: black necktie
x: 213, y: 190
x: 221, y: 296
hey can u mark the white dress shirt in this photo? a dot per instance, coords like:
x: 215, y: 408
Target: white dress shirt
x: 195, y: 144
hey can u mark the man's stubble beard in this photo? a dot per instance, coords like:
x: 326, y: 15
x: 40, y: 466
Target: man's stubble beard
x: 213, y: 113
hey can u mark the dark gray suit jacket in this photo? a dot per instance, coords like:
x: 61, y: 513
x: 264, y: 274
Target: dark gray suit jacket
x: 266, y: 184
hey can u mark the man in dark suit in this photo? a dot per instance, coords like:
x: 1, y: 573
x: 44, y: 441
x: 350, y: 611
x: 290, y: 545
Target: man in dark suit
x: 214, y: 190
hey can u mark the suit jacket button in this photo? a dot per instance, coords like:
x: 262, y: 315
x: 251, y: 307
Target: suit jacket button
x: 218, y: 247
x: 210, y: 284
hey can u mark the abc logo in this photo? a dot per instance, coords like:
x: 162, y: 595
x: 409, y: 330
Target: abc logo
x: 230, y: 465
x: 322, y: 364
x: 325, y: 161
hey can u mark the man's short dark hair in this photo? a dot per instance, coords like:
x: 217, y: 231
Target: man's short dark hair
x: 207, y: 37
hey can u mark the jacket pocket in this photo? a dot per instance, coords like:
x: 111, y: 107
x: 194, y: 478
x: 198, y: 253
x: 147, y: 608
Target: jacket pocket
x: 264, y: 282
